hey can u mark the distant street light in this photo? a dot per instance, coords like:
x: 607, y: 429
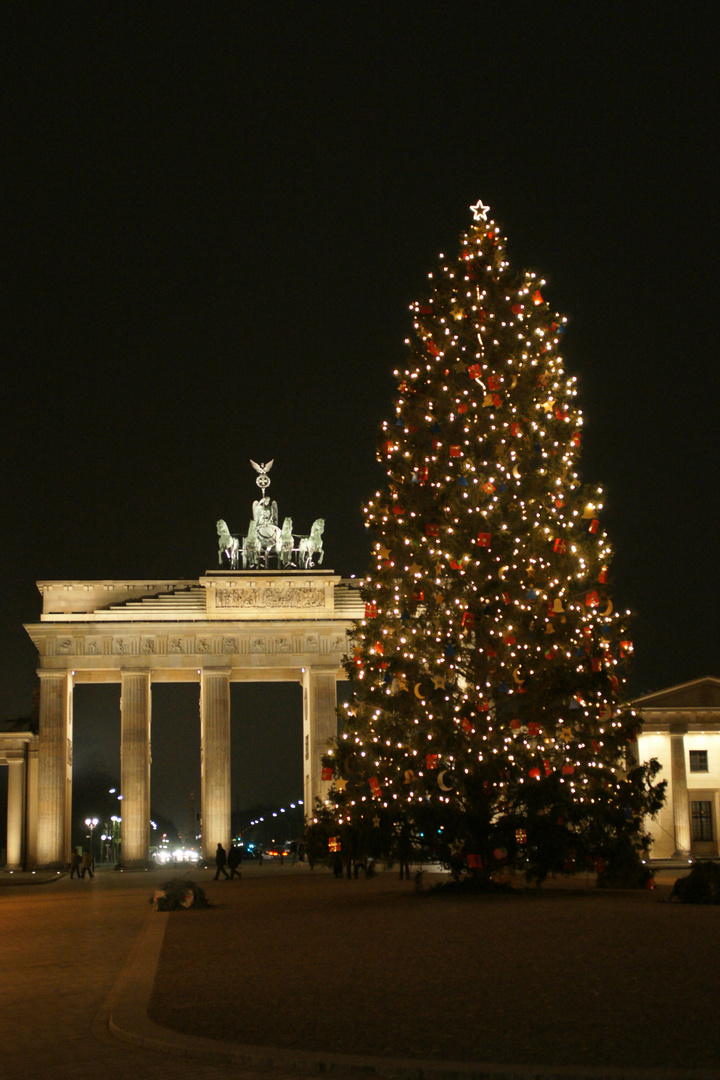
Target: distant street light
x: 91, y: 824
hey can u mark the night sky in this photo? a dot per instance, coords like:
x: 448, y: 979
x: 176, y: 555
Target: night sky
x: 215, y: 218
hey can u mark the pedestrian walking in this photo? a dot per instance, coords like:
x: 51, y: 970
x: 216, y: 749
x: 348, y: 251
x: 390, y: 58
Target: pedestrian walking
x: 86, y: 863
x: 234, y: 859
x: 74, y: 863
x: 220, y: 860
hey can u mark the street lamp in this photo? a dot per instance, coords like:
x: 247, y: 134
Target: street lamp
x: 91, y: 823
x: 115, y: 836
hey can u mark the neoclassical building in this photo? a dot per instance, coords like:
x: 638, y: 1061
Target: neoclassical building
x: 681, y: 728
x: 258, y: 626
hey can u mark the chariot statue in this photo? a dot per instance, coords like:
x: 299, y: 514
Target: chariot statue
x: 266, y: 545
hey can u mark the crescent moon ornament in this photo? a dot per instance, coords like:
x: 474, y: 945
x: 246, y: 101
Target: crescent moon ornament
x: 516, y: 676
x: 502, y: 571
x: 513, y: 384
x: 441, y: 781
x: 417, y: 691
x: 608, y: 609
x: 516, y: 472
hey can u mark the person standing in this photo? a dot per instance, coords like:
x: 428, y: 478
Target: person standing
x: 234, y: 859
x: 220, y: 860
x: 74, y: 863
x: 86, y: 863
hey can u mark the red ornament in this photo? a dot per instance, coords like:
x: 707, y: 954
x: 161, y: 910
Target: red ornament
x: 374, y: 787
x: 474, y: 371
x: 398, y: 510
x: 500, y: 853
x: 576, y: 438
x: 432, y: 761
x: 602, y: 576
x: 596, y: 663
x: 592, y: 599
x: 515, y: 428
x: 432, y: 348
x: 327, y: 772
x: 560, y: 546
x: 456, y: 451
x: 509, y: 639
x: 462, y: 408
x: 474, y: 862
x: 484, y: 539
x: 467, y: 727
x: 334, y: 844
x: 537, y: 298
x: 494, y: 382
x: 521, y: 836
x: 468, y: 619
x: 371, y: 610
x: 483, y: 705
x: 420, y: 475
x: 418, y: 596
x: 534, y: 729
x: 517, y: 309
x: 535, y: 773
x: 431, y: 530
x: 568, y: 770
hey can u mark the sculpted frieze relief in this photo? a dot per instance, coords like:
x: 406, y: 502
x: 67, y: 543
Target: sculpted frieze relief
x: 272, y: 598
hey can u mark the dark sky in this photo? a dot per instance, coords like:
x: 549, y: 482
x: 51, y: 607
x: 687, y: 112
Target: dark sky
x: 215, y: 218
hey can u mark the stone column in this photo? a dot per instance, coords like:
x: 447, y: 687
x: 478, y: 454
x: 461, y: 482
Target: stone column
x: 135, y: 767
x: 215, y: 760
x: 16, y: 834
x: 54, y: 768
x: 319, y: 726
x: 678, y: 781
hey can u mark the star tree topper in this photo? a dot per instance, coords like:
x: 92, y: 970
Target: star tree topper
x: 480, y: 211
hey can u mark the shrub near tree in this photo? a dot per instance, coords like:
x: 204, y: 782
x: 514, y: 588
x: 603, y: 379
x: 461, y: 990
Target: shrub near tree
x: 487, y: 673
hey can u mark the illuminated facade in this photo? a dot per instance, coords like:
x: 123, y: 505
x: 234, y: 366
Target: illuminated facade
x: 226, y: 626
x: 681, y: 728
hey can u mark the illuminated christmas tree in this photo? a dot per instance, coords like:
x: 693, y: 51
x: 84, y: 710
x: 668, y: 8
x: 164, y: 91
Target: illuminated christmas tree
x: 488, y: 670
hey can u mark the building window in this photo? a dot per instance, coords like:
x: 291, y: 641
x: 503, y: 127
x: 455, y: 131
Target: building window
x: 702, y: 827
x: 698, y: 761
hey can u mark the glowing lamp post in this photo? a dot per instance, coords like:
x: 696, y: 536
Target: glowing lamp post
x: 91, y: 824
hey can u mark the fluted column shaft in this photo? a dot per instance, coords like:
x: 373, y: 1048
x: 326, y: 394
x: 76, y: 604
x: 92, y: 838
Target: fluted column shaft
x: 17, y: 767
x: 319, y: 726
x: 215, y: 759
x: 135, y: 767
x: 54, y: 769
x: 681, y: 809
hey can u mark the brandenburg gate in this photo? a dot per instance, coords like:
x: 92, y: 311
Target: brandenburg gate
x: 268, y: 614
x: 244, y: 625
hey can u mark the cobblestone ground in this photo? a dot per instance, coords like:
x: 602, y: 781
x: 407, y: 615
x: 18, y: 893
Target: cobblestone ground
x: 559, y: 977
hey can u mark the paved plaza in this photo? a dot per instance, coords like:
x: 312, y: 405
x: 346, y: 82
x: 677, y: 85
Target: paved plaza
x: 292, y: 971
